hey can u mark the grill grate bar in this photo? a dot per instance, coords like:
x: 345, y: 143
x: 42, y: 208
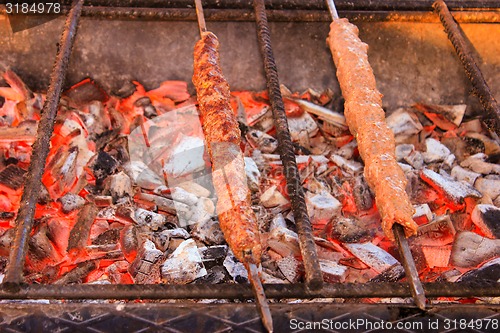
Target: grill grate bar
x: 244, y: 291
x: 307, y: 246
x: 471, y: 69
x: 24, y: 220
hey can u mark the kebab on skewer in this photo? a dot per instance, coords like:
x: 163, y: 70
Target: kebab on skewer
x: 237, y: 220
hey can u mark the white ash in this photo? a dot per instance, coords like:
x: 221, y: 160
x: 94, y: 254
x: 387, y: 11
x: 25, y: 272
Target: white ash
x: 454, y: 189
x: 119, y: 185
x: 262, y: 141
x: 465, y: 175
x: 436, y: 151
x: 405, y: 167
x: 322, y: 206
x: 332, y: 271
x: 277, y: 223
x: 71, y: 202
x: 291, y: 268
x: 349, y: 166
x: 347, y: 150
x: 487, y: 219
x: 372, y: 255
x: 152, y: 220
x: 334, y: 118
x: 253, y: 174
x: 471, y: 249
x: 235, y: 268
x: 181, y: 195
x: 272, y: 197
x: 184, y: 265
x: 478, y: 164
x: 208, y: 232
x: 142, y: 175
x: 489, y: 187
x: 404, y: 124
x: 195, y: 188
x: 304, y: 123
x: 186, y: 157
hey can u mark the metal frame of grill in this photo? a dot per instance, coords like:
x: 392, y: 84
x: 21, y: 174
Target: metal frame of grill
x: 224, y: 10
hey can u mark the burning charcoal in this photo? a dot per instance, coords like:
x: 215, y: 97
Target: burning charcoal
x: 202, y: 212
x: 6, y: 241
x: 262, y: 141
x: 103, y: 165
x: 443, y: 114
x: 162, y: 239
x: 213, y: 255
x: 393, y: 274
x: 186, y: 157
x: 103, y: 200
x: 291, y: 268
x: 142, y: 175
x: 456, y: 191
x: 348, y: 229
x: 405, y: 167
x: 129, y: 242
x: 404, y: 124
x: 488, y: 187
x: 477, y: 164
x: 437, y: 256
x: 181, y: 195
x: 235, y: 268
x: 450, y: 276
x: 463, y: 147
x: 183, y: 211
x: 77, y: 274
x: 489, y: 271
x: 117, y: 273
x: 119, y: 185
x: 40, y: 247
x: 215, y: 275
x: 152, y: 220
x: 362, y: 193
x: 195, y: 189
x: 208, y: 232
x: 470, y: 249
x: 253, y: 174
x: 332, y: 272
x: 491, y: 146
x: 272, y: 197
x: 372, y: 255
x: 332, y: 118
x: 349, y: 166
x: 267, y: 277
x: 25, y: 131
x: 439, y: 232
x: 79, y: 235
x: 12, y: 178
x: 403, y: 151
x: 71, y: 202
x: 436, y: 152
x: 108, y: 237
x: 147, y: 256
x: 148, y: 109
x: 321, y: 207
x: 184, y: 265
x: 96, y: 119
x: 302, y: 124
x: 422, y: 214
x: 486, y: 218
x: 465, y: 175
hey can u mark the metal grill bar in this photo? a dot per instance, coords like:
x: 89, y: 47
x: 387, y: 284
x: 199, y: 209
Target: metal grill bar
x: 308, y: 249
x: 473, y: 72
x: 24, y: 220
x: 244, y: 291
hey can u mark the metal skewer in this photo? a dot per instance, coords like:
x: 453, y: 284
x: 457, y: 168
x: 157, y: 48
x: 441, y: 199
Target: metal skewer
x: 416, y: 288
x: 253, y: 272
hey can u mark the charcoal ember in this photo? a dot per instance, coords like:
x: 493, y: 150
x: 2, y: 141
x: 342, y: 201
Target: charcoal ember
x: 213, y: 255
x: 348, y: 229
x: 322, y: 206
x: 283, y: 241
x: 463, y: 147
x: 268, y: 277
x: 79, y: 234
x: 96, y: 120
x: 143, y: 265
x: 488, y: 272
x: 363, y: 196
x: 180, y: 195
x: 71, y: 202
x: 117, y: 272
x: 393, y: 274
x: 129, y: 242
x: 142, y: 175
x: 184, y: 265
x: 144, y: 104
x: 235, y: 268
x: 262, y: 141
x: 404, y: 124
x: 437, y: 256
x: 186, y: 157
x: 477, y: 163
x: 372, y: 255
x: 163, y: 239
x: 103, y: 200
x: 183, y: 211
x: 272, y: 197
x: 151, y: 220
x: 438, y: 232
x: 465, y: 175
x: 302, y: 124
x: 6, y: 240
x: 77, y: 274
x: 491, y: 146
x: 407, y: 153
x: 117, y: 147
x: 110, y: 236
x: 40, y: 247
x: 349, y: 166
x: 450, y: 276
x: 471, y: 249
x: 103, y: 165
x: 215, y: 275
x: 435, y: 151
x: 12, y: 178
x: 118, y: 185
x: 253, y: 174
x: 486, y: 218
x: 202, y: 212
x: 291, y: 268
x: 454, y: 190
x: 208, y: 232
x: 423, y: 214
x: 332, y: 272
x: 347, y: 150
x: 488, y: 187
x: 195, y: 188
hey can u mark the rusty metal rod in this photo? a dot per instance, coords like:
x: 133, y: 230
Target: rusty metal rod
x: 308, y: 249
x: 29, y: 199
x: 472, y: 70
x: 244, y: 291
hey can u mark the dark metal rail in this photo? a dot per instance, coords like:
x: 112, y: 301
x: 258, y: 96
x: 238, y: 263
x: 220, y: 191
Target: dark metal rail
x: 32, y: 186
x: 243, y: 291
x: 472, y: 70
x: 294, y: 186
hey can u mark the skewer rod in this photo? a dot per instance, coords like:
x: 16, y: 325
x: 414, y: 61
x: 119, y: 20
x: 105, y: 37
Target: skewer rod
x: 201, y: 18
x: 333, y: 9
